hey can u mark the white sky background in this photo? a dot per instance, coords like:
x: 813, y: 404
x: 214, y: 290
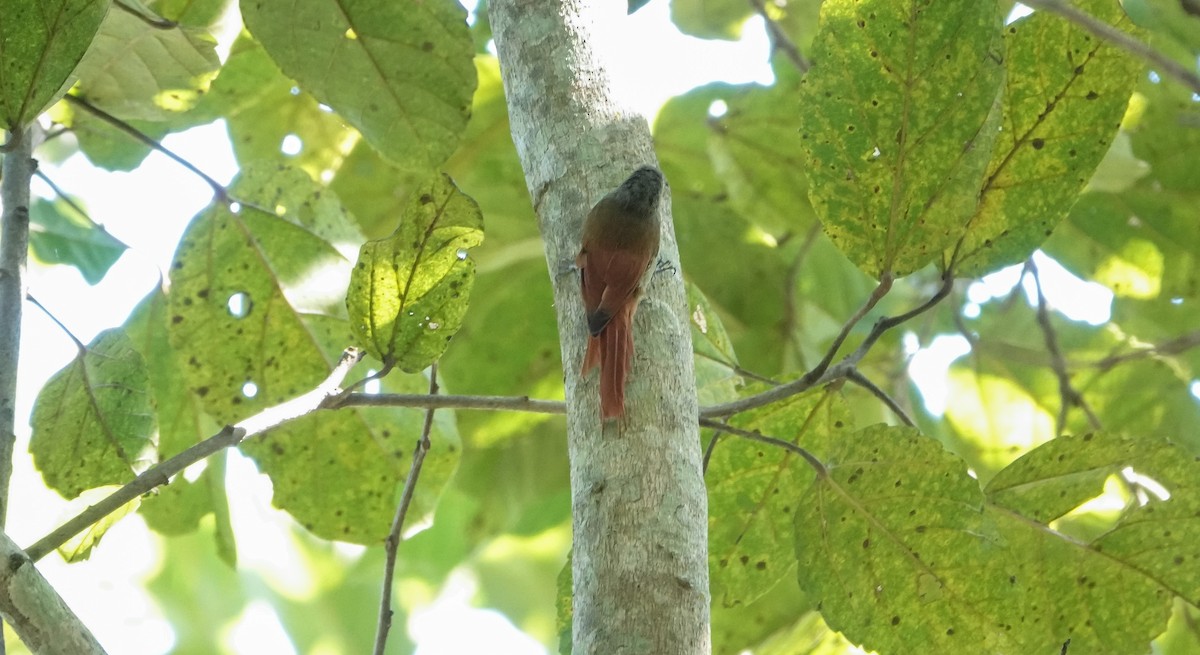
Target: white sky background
x: 149, y: 208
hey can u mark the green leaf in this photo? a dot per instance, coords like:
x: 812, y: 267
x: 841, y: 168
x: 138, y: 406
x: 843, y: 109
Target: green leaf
x: 93, y: 422
x: 177, y: 507
x: 400, y: 72
x: 262, y: 107
x: 1064, y: 97
x: 408, y: 293
x: 190, y: 12
x: 1129, y: 573
x: 710, y: 19
x: 751, y: 491
x: 891, y: 544
x: 564, y: 608
x: 41, y: 41
x: 899, y: 548
x: 717, y: 377
x: 135, y: 70
x: 257, y: 296
x: 896, y: 155
x: 1144, y: 242
x: 60, y: 234
x: 757, y: 154
x: 103, y: 144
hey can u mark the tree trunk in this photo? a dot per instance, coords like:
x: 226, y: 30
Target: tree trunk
x: 640, y: 562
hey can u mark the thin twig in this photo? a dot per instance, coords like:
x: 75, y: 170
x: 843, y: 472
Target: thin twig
x: 392, y: 543
x: 1070, y: 395
x: 780, y: 39
x: 829, y: 373
x: 231, y: 435
x: 881, y: 290
x: 1180, y: 344
x: 1123, y: 40
x: 217, y: 188
x: 779, y: 443
x: 708, y: 451
x: 509, y: 403
x: 738, y: 370
x: 863, y: 381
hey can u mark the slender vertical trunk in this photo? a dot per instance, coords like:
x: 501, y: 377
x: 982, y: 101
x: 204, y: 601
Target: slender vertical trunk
x: 16, y: 174
x: 640, y: 564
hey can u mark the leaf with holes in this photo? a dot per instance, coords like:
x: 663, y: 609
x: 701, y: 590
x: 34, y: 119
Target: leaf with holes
x: 178, y: 507
x: 896, y: 157
x: 264, y: 109
x: 409, y: 291
x: 136, y: 70
x: 256, y: 294
x: 1064, y: 96
x: 41, y: 41
x: 93, y: 422
x: 256, y: 314
x: 752, y: 491
x: 400, y: 72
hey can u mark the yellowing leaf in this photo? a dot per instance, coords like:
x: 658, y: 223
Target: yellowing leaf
x: 408, y: 293
x: 897, y: 122
x: 1064, y: 97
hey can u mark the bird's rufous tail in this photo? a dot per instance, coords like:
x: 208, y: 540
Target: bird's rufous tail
x: 612, y: 351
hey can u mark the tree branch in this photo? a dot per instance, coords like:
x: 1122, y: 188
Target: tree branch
x: 1058, y: 363
x: 505, y: 403
x: 392, y: 543
x: 857, y: 377
x: 780, y: 40
x: 35, y: 611
x: 1126, y: 42
x: 230, y: 435
x: 16, y: 172
x: 823, y: 372
x: 771, y: 441
x: 217, y: 188
x: 15, y: 176
x: 1180, y: 344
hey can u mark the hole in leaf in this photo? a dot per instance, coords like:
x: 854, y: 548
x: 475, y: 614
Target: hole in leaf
x: 291, y: 146
x: 249, y: 390
x: 239, y: 305
x: 717, y: 109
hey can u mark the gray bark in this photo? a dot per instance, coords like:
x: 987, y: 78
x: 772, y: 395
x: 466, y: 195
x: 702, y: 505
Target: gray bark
x: 640, y: 563
x: 35, y: 611
x: 17, y: 172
